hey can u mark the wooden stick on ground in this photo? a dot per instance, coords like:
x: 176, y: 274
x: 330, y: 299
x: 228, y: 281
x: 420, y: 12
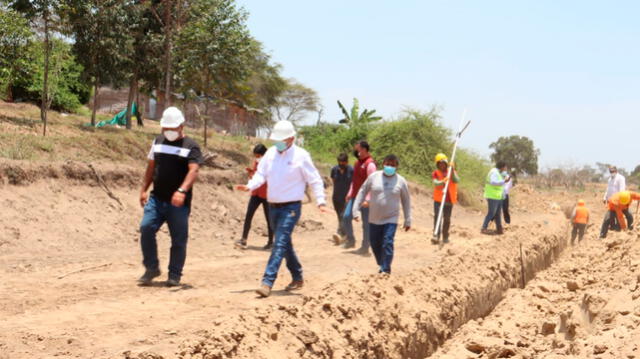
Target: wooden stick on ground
x: 84, y: 270
x: 104, y: 186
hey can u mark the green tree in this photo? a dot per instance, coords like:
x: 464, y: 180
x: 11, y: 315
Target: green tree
x: 214, y: 51
x: 518, y: 152
x: 44, y: 13
x: 15, y: 37
x: 354, y: 118
x: 100, y: 30
x: 295, y: 102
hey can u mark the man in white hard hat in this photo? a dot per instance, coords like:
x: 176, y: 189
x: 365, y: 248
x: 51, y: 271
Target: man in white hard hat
x: 287, y: 169
x: 174, y: 160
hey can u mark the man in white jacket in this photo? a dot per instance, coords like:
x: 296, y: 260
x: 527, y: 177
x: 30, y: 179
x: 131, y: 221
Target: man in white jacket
x: 616, y: 184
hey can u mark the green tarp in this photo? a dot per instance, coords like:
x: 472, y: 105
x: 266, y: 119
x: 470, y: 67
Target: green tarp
x: 121, y: 118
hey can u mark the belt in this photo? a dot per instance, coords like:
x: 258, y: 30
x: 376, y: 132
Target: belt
x: 283, y: 204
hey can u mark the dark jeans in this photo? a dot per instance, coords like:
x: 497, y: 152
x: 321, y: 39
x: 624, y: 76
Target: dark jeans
x: 446, y: 218
x: 609, y: 221
x: 156, y: 212
x: 254, y: 203
x: 382, y: 244
x: 348, y: 225
x: 339, y: 206
x: 505, y: 210
x: 284, y: 220
x: 494, y: 206
x: 578, y: 230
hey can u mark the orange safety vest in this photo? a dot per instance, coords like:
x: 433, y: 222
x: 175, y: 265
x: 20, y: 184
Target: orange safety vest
x: 438, y: 190
x: 582, y: 215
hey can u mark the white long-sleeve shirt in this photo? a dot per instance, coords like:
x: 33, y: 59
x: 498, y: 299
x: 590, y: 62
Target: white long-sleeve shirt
x: 287, y: 175
x: 616, y: 184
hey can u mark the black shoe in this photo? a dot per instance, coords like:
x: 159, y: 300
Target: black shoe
x: 267, y: 246
x: 148, y: 276
x: 173, y: 282
x: 446, y: 240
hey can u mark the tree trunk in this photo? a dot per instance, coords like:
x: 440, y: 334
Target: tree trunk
x: 132, y: 90
x: 45, y: 87
x: 206, y: 118
x: 168, y: 46
x: 96, y: 89
x: 140, y: 108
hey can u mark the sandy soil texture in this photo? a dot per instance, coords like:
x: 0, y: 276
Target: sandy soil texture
x: 69, y: 256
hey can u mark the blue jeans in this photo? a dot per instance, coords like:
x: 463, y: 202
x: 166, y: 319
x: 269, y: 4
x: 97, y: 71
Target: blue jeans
x: 494, y: 206
x: 382, y: 244
x: 283, y: 220
x: 347, y: 225
x: 156, y: 212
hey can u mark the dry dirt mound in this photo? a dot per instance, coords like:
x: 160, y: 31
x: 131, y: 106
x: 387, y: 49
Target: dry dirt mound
x: 380, y: 316
x: 585, y: 306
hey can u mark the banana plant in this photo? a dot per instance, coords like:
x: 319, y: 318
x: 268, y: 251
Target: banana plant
x: 354, y: 117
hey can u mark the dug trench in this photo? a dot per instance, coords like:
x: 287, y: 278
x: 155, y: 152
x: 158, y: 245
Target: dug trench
x: 70, y: 258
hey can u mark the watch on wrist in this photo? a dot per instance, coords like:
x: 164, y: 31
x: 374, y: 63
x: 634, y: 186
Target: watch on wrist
x: 181, y: 190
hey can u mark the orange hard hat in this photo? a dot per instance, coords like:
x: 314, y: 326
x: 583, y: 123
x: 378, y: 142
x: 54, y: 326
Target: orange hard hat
x: 581, y: 202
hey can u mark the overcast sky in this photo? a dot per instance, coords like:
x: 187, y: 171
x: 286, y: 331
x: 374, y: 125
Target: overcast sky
x: 564, y: 73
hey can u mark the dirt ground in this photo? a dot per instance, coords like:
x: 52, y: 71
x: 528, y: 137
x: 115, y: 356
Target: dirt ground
x: 70, y: 257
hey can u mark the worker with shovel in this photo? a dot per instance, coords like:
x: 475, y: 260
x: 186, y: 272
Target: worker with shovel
x: 618, y: 207
x: 579, y: 219
x: 440, y: 179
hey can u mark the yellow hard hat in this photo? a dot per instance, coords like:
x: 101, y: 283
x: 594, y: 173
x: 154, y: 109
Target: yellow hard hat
x: 625, y: 197
x: 441, y: 157
x: 581, y: 202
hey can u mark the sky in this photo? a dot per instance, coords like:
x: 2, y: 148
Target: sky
x: 564, y: 73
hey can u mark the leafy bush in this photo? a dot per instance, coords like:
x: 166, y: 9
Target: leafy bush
x: 414, y: 136
x: 68, y: 90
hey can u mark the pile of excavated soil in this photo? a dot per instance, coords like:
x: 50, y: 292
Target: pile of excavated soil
x: 586, y: 306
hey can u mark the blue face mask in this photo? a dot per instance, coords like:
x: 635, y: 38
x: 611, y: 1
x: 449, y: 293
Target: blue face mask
x: 389, y: 170
x: 280, y: 146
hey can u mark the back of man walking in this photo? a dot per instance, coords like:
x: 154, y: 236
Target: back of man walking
x: 174, y: 160
x: 579, y: 220
x: 287, y: 169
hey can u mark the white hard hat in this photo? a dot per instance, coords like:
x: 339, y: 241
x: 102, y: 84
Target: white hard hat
x: 282, y: 130
x: 172, y: 117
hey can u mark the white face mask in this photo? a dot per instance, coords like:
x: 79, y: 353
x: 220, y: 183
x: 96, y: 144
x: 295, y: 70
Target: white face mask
x: 258, y: 159
x: 171, y: 135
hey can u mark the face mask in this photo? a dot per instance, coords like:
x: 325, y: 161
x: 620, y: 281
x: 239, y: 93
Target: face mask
x: 389, y: 170
x: 356, y: 154
x: 258, y: 159
x: 504, y: 174
x: 280, y: 146
x: 342, y: 166
x: 171, y: 135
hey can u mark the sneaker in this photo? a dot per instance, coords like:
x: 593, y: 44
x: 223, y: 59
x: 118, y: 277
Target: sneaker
x: 348, y: 245
x: 148, y: 276
x: 362, y: 251
x: 446, y: 240
x: 240, y: 244
x: 485, y: 231
x: 294, y: 285
x: 264, y: 291
x: 337, y: 239
x: 267, y: 246
x: 172, y: 282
